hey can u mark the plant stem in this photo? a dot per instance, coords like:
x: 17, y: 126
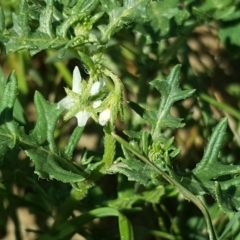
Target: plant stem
x: 187, y: 194
x: 109, y: 148
x: 223, y: 106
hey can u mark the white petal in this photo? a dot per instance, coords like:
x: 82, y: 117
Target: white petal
x: 95, y: 89
x: 65, y: 103
x: 97, y: 103
x: 77, y: 79
x: 82, y: 118
x: 104, y: 117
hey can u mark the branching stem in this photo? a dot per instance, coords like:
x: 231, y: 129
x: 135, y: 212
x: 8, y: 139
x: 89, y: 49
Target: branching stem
x: 187, y: 194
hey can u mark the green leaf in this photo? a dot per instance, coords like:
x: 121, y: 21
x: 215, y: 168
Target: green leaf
x: 126, y: 202
x: 233, y: 220
x: 87, y: 61
x: 228, y: 194
x: 46, y: 19
x: 156, y: 147
x: 216, y: 9
x: 154, y: 195
x: 110, y: 5
x: 131, y: 167
x: 212, y: 177
x: 39, y: 145
x: 2, y: 20
x: 85, y: 6
x: 20, y: 37
x: 18, y: 112
x: 41, y: 148
x: 54, y: 28
x: 62, y: 30
x: 230, y: 34
x: 132, y: 134
x: 67, y: 27
x: 73, y: 141
x: 68, y: 228
x: 149, y: 116
x: 134, y: 170
x: 47, y: 117
x: 132, y: 10
x: 125, y: 228
x: 228, y: 200
x: 173, y: 180
x: 210, y: 157
x: 8, y: 128
x: 201, y: 179
x: 170, y: 93
x: 162, y: 12
x: 20, y: 21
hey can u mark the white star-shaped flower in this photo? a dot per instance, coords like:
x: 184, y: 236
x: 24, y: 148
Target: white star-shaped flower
x: 68, y: 102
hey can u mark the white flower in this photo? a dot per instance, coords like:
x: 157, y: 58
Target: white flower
x: 104, y: 117
x: 68, y: 102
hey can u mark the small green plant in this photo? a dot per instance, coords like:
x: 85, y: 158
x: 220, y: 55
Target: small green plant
x: 85, y: 30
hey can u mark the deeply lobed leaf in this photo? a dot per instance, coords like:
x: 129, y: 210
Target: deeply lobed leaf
x: 170, y: 93
x: 132, y: 10
x: 212, y: 177
x: 39, y: 145
x: 8, y: 127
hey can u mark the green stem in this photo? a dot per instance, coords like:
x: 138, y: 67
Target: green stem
x: 109, y: 148
x: 187, y: 194
x: 117, y: 82
x: 223, y: 106
x: 109, y: 141
x: 72, y: 143
x: 98, y: 172
x: 108, y: 156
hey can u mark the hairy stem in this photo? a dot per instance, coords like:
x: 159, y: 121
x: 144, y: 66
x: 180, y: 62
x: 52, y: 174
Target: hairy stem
x: 187, y: 194
x: 109, y: 148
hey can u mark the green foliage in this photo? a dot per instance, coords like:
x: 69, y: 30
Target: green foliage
x: 228, y: 14
x: 131, y: 10
x: 170, y: 93
x: 39, y: 145
x: 170, y: 11
x: 136, y: 175
x: 9, y: 128
x: 221, y: 181
x: 201, y: 180
x: 67, y: 229
x: 68, y: 29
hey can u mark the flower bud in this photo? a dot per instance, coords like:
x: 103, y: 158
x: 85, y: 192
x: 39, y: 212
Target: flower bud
x: 104, y: 117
